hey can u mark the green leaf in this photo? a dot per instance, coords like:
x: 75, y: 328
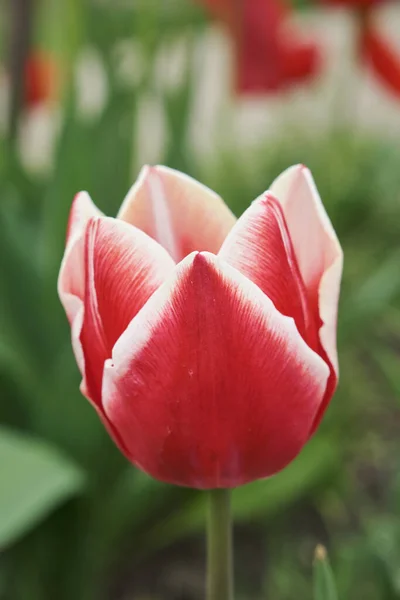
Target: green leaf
x: 324, y: 583
x: 35, y: 478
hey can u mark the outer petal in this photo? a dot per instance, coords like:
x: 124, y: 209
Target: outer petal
x: 259, y: 246
x: 71, y: 289
x: 177, y: 211
x: 82, y: 210
x: 71, y: 280
x: 210, y: 386
x: 123, y: 268
x: 319, y: 256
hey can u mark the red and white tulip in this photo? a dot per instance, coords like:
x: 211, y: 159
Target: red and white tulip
x: 206, y: 344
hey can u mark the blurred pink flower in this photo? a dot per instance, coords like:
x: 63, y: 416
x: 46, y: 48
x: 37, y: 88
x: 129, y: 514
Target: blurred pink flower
x: 207, y: 345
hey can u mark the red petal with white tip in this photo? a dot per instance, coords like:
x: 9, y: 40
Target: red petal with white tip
x: 123, y: 267
x: 177, y: 211
x: 319, y: 257
x: 71, y: 280
x: 259, y: 246
x: 210, y: 386
x: 82, y: 210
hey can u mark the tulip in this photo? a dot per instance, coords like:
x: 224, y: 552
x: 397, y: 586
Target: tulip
x: 381, y: 58
x: 270, y: 56
x: 206, y: 344
x: 374, y: 50
x: 40, y: 79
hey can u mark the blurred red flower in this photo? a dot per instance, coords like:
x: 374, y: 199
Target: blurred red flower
x: 207, y: 345
x: 269, y: 53
x: 40, y: 79
x: 374, y: 50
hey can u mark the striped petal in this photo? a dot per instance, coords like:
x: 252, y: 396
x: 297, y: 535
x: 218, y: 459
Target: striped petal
x: 177, y: 211
x: 319, y: 257
x: 123, y: 267
x: 82, y: 210
x: 260, y: 247
x: 210, y: 386
x: 71, y: 280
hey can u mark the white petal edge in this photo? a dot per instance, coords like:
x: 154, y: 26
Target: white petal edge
x: 171, y: 220
x: 284, y: 188
x: 82, y: 209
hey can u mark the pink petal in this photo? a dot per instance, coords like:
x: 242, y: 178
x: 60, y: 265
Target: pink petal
x: 123, y: 267
x: 177, y: 211
x: 259, y: 246
x: 319, y: 256
x: 210, y: 386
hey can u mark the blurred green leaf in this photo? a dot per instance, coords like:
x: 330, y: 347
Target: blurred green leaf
x: 382, y: 538
x: 261, y: 499
x: 93, y: 156
x: 35, y: 478
x: 61, y: 31
x: 380, y: 289
x: 134, y: 497
x: 389, y: 363
x: 18, y: 274
x: 324, y: 583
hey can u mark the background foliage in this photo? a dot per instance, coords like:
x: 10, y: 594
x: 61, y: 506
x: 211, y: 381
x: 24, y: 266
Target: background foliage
x: 77, y: 521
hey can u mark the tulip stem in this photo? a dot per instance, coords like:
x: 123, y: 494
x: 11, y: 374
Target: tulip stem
x: 219, y: 546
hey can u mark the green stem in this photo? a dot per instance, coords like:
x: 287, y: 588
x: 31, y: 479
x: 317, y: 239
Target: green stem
x: 219, y: 546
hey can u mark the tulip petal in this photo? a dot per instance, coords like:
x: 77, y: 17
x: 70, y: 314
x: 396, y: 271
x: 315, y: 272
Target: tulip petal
x: 319, y: 256
x: 123, y: 268
x: 71, y: 280
x: 82, y: 210
x: 177, y: 211
x: 72, y: 288
x: 210, y: 386
x: 259, y: 246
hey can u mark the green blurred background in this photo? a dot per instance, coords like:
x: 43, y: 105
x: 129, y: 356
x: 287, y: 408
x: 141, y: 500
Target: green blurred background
x: 76, y: 520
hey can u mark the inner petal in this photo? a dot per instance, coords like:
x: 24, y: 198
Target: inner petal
x: 260, y: 247
x: 179, y: 212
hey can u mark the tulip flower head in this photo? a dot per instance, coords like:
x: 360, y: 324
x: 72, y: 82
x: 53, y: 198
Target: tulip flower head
x: 206, y: 344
